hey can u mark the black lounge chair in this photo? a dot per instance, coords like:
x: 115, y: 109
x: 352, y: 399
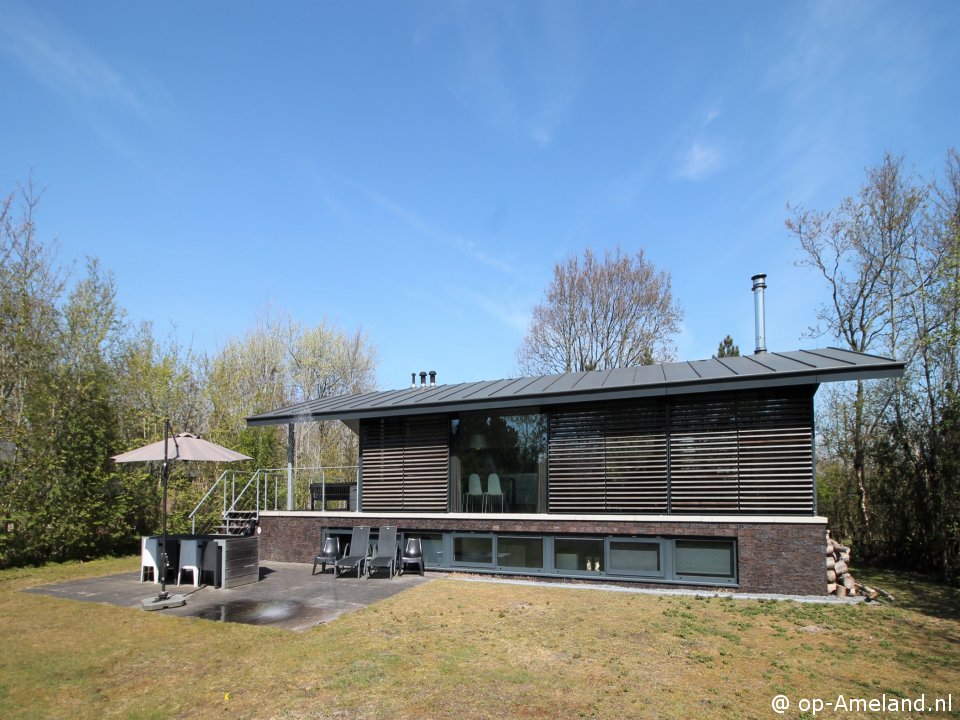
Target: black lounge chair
x: 355, y: 555
x: 412, y: 555
x: 328, y: 555
x: 386, y: 555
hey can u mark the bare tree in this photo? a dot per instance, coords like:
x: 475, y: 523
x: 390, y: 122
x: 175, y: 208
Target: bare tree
x: 859, y: 249
x: 617, y: 311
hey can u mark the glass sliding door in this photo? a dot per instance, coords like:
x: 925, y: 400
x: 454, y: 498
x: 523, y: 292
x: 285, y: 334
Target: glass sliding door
x: 498, y: 462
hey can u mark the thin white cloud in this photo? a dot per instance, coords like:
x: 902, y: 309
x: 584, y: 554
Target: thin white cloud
x: 59, y: 59
x: 519, y: 69
x: 700, y: 161
x: 467, y: 248
x: 502, y: 311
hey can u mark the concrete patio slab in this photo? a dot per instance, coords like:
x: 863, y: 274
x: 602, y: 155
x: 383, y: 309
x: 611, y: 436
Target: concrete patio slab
x: 287, y: 596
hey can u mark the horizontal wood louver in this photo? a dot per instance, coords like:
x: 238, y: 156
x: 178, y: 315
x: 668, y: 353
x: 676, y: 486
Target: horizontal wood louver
x: 776, y: 453
x: 703, y: 455
x: 743, y: 453
x: 404, y: 464
x: 636, y: 451
x: 576, y: 466
x: 425, y: 464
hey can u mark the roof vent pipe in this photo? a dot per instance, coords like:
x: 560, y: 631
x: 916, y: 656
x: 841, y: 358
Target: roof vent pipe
x: 423, y: 378
x: 759, y: 313
x: 413, y: 380
x: 433, y: 378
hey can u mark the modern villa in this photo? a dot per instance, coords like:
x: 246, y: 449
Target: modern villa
x: 699, y: 474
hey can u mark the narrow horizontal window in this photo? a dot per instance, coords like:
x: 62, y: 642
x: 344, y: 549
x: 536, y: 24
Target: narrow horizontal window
x: 633, y: 557
x: 705, y: 558
x: 473, y: 549
x: 520, y: 552
x: 577, y: 554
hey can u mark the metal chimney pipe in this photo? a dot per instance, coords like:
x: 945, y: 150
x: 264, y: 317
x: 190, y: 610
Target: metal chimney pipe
x: 423, y: 378
x: 433, y: 378
x: 413, y: 380
x: 759, y: 319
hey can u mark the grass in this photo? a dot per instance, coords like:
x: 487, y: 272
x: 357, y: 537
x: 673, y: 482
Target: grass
x: 452, y: 649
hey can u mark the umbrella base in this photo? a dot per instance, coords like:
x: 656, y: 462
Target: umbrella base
x: 162, y: 603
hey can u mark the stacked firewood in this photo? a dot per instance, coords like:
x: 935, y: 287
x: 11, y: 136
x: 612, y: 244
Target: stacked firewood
x: 840, y: 581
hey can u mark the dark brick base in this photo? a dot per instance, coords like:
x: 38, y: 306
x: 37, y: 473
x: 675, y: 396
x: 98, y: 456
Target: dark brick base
x: 773, y: 557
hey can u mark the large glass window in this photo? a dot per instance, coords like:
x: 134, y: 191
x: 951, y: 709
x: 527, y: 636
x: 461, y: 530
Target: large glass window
x: 705, y: 558
x: 498, y: 462
x: 520, y: 552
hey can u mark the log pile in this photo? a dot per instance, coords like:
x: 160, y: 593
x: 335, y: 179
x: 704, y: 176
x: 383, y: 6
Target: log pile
x: 840, y: 581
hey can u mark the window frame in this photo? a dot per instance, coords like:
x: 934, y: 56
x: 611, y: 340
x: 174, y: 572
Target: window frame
x: 731, y: 579
x: 492, y: 537
x: 662, y: 552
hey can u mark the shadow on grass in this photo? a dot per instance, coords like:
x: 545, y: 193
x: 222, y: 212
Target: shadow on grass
x: 914, y: 591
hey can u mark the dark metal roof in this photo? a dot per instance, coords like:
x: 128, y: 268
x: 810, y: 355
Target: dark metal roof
x: 762, y: 370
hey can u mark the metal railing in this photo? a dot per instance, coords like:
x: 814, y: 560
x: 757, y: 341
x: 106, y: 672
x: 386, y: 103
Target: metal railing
x: 269, y: 490
x: 274, y: 487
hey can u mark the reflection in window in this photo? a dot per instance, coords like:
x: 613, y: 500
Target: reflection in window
x: 499, y: 462
x: 519, y: 552
x: 473, y: 550
x: 706, y: 558
x: 634, y: 558
x: 432, y: 545
x: 580, y: 554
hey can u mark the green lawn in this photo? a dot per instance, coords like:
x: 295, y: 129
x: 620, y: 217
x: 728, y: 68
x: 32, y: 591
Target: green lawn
x: 453, y: 649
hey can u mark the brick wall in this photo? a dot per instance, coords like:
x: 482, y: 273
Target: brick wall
x: 772, y: 557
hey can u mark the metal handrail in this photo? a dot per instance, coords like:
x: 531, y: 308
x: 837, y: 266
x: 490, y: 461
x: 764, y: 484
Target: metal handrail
x: 235, y: 497
x: 261, y: 479
x: 192, y: 517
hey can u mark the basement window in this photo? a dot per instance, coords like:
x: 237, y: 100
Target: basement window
x: 634, y: 557
x: 699, y: 559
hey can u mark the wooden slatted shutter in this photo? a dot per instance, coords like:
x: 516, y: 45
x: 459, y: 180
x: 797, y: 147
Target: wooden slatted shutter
x: 426, y: 464
x: 776, y: 453
x: 576, y: 461
x: 636, y: 453
x: 703, y: 455
x: 381, y: 451
x: 404, y: 464
x: 743, y: 453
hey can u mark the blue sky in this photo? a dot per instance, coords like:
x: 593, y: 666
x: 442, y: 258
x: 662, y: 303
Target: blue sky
x: 416, y: 169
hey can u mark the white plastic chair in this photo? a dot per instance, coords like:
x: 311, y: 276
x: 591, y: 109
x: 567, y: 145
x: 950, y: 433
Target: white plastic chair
x: 190, y: 560
x: 149, y: 558
x: 474, y: 490
x: 494, y: 489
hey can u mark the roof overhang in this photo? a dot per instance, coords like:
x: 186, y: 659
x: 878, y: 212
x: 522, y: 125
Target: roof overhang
x: 750, y: 372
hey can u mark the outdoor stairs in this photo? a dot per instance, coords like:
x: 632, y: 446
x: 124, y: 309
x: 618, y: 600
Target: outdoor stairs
x: 237, y: 522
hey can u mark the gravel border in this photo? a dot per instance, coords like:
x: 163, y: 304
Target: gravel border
x: 727, y: 595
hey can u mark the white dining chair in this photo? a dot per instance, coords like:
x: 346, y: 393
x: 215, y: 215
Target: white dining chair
x: 474, y: 490
x: 494, y: 490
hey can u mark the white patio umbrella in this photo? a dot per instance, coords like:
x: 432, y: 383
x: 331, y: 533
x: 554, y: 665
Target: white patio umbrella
x: 181, y: 447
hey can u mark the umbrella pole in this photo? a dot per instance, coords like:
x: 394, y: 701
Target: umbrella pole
x: 164, y: 558
x: 163, y: 598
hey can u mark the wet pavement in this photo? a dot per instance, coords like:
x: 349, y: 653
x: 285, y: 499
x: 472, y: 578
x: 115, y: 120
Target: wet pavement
x: 287, y: 596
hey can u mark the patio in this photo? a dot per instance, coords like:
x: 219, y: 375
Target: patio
x: 287, y: 596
